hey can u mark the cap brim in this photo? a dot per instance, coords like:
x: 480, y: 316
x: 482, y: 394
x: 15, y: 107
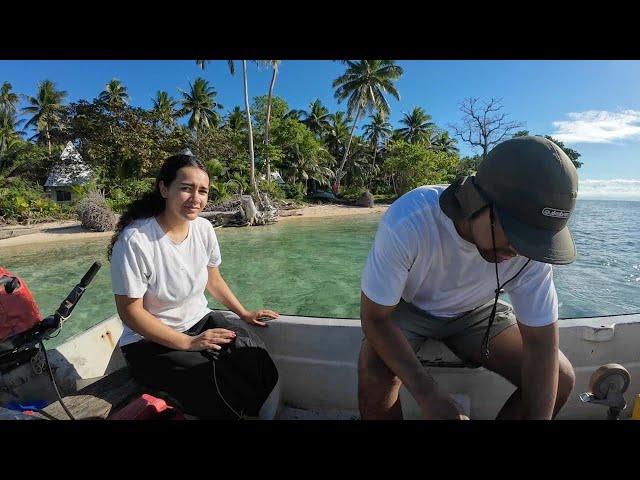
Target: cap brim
x: 538, y: 244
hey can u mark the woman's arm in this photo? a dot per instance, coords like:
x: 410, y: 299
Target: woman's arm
x: 133, y: 314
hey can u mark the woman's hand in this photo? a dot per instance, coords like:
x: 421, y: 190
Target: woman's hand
x: 211, y: 339
x: 252, y: 317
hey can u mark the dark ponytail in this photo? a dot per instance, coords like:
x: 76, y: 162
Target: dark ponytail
x: 152, y: 203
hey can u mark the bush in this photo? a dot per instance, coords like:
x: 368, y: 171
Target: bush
x: 22, y: 201
x: 353, y: 193
x: 272, y: 189
x: 295, y: 191
x: 95, y: 213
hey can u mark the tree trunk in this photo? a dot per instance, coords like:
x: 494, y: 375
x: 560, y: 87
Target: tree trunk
x: 346, y: 152
x: 252, y: 172
x: 46, y: 131
x: 266, y: 126
x: 373, y: 165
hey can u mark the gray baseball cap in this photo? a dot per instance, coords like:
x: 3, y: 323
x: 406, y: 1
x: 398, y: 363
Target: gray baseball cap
x: 533, y: 185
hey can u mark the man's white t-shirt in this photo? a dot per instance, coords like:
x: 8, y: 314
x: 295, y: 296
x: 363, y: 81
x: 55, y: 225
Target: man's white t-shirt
x: 170, y: 277
x: 419, y: 256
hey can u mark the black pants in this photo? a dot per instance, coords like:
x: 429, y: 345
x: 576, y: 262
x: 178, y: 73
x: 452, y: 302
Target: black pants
x: 244, y: 371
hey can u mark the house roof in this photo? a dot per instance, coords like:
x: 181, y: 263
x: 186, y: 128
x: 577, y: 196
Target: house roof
x: 70, y: 170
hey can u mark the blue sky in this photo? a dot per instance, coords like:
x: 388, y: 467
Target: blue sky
x: 593, y: 106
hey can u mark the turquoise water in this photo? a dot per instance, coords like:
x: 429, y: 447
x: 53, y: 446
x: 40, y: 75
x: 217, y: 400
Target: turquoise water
x: 312, y: 266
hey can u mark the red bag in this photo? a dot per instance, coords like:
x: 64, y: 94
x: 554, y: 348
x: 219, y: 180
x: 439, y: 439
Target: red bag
x: 18, y: 310
x: 147, y: 407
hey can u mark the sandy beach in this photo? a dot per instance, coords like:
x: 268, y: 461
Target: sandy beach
x: 72, y: 230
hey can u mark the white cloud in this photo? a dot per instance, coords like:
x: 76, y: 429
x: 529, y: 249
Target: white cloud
x: 598, y: 126
x: 618, y: 189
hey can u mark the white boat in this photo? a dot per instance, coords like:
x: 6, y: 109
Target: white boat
x: 317, y: 363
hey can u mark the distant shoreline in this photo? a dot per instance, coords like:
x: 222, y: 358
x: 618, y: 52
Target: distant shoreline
x: 71, y: 230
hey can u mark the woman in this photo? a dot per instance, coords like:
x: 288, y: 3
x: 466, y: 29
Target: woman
x: 163, y: 256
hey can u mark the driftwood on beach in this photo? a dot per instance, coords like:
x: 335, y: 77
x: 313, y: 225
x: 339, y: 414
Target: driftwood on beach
x: 242, y: 212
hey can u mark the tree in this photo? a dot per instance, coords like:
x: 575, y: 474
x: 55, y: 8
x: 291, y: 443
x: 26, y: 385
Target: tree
x: 317, y: 118
x: 274, y: 66
x: 375, y: 132
x: 8, y: 121
x: 115, y: 95
x: 201, y: 105
x: 303, y: 156
x: 484, y: 125
x: 236, y: 120
x: 411, y: 165
x: 337, y: 134
x: 443, y: 142
x: 364, y: 84
x: 468, y: 166
x: 8, y: 99
x: 47, y: 109
x: 571, y: 153
x: 165, y: 107
x: 230, y: 63
x: 418, y: 126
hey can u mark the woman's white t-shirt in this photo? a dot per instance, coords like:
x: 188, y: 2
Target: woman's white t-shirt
x: 170, y: 277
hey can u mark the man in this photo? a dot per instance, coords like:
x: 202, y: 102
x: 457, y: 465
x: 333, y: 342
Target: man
x: 439, y: 262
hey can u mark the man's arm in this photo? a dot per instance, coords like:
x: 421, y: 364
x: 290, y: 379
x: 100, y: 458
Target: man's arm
x: 394, y: 349
x: 539, y: 370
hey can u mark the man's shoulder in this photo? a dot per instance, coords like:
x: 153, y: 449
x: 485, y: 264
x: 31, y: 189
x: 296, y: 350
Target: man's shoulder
x: 417, y: 206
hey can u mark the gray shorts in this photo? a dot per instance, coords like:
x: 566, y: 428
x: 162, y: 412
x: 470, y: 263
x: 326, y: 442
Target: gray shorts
x: 463, y: 334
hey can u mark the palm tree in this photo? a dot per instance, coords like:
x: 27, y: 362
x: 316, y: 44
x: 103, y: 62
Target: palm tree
x: 293, y: 114
x: 8, y: 122
x: 364, y: 84
x: 379, y: 129
x: 274, y: 66
x: 8, y: 132
x: 8, y: 99
x: 115, y: 95
x: 230, y: 63
x: 317, y: 118
x: 337, y: 133
x: 165, y: 106
x: 200, y: 103
x: 307, y: 166
x: 418, y: 126
x: 46, y: 108
x: 235, y: 119
x: 444, y: 143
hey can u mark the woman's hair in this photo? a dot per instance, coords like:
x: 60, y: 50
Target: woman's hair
x: 152, y: 203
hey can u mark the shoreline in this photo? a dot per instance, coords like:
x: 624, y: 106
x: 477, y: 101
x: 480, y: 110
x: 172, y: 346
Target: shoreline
x: 71, y: 230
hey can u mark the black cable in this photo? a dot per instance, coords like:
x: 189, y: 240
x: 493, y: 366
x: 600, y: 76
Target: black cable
x: 500, y: 288
x: 46, y: 359
x: 215, y: 380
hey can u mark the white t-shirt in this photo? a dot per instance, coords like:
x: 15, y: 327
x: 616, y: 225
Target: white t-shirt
x: 418, y: 255
x: 170, y: 277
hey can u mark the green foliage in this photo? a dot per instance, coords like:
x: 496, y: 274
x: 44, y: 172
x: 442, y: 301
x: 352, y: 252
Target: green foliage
x: 23, y: 201
x: 272, y: 189
x: 293, y: 191
x: 219, y: 191
x: 352, y: 193
x: 412, y: 165
x: 127, y: 191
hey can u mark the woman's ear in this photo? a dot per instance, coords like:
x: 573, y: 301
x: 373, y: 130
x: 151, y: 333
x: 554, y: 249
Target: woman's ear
x: 163, y: 190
